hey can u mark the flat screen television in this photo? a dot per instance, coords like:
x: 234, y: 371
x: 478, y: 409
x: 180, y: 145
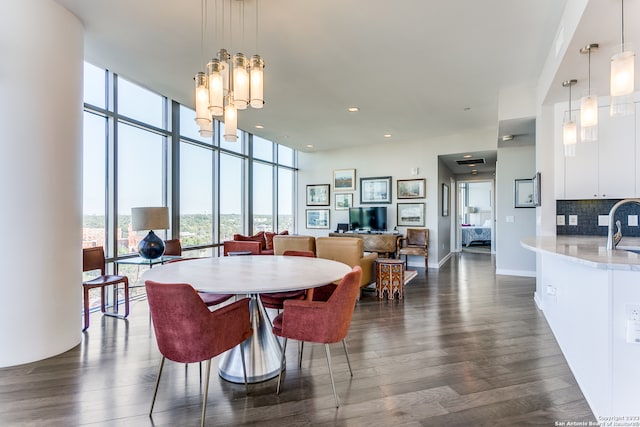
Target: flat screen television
x: 368, y: 218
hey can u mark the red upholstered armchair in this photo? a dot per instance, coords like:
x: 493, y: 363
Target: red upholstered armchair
x: 320, y: 321
x: 187, y: 332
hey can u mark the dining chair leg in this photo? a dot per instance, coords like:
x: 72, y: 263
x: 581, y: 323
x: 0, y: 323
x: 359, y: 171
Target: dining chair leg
x: 244, y: 369
x: 155, y: 392
x: 300, y: 349
x: 206, y: 393
x: 126, y: 297
x: 333, y: 384
x: 346, y: 353
x: 284, y: 349
x: 86, y: 309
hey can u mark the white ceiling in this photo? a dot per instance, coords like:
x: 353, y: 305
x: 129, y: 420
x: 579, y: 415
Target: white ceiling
x: 411, y: 66
x: 417, y: 69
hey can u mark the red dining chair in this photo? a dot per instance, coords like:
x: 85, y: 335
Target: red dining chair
x: 187, y: 332
x: 276, y: 300
x: 320, y: 321
x: 93, y: 259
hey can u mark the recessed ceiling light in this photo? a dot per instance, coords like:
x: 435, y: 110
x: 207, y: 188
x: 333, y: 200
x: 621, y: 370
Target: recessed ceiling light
x: 387, y: 135
x: 353, y: 109
x: 467, y: 108
x: 474, y: 172
x: 259, y: 127
x: 309, y: 145
x: 467, y: 156
x: 506, y: 138
x: 471, y: 165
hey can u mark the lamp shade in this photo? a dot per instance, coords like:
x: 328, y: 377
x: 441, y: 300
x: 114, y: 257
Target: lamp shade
x: 150, y: 218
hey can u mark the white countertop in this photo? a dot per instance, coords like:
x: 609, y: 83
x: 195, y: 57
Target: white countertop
x: 588, y: 250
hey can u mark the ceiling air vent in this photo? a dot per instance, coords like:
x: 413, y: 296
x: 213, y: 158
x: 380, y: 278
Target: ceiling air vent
x: 471, y: 162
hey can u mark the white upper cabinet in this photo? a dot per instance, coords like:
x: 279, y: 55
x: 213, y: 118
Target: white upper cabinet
x: 616, y: 155
x: 605, y: 169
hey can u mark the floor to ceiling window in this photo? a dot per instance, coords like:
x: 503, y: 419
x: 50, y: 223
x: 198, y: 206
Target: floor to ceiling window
x: 142, y: 149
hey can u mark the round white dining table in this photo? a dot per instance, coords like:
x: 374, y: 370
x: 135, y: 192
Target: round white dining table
x: 251, y: 275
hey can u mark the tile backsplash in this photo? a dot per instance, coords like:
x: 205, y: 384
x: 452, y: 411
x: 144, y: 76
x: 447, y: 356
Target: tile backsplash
x: 586, y: 212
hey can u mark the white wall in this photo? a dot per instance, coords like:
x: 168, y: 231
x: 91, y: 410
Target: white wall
x: 511, y: 258
x: 40, y: 180
x: 396, y: 160
x: 445, y: 227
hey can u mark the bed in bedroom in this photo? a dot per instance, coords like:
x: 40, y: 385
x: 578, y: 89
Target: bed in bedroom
x: 473, y: 234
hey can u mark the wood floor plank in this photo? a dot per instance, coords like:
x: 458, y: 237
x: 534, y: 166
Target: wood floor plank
x: 463, y: 348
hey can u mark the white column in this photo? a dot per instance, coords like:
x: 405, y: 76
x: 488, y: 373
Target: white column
x: 41, y: 46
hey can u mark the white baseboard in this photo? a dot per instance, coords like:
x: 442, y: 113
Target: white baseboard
x: 523, y: 273
x: 446, y: 258
x: 538, y: 301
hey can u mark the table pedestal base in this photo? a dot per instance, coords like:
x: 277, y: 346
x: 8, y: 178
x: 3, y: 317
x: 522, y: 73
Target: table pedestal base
x: 262, y: 351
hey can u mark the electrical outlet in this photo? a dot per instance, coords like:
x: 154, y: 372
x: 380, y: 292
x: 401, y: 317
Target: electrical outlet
x: 560, y: 220
x: 633, y: 312
x: 633, y: 323
x: 603, y: 220
x: 632, y: 220
x: 573, y: 219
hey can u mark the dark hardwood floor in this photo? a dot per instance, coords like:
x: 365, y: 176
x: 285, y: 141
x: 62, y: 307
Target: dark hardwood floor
x: 464, y: 348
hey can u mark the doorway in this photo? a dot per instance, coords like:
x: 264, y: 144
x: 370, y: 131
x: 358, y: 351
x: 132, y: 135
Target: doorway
x: 475, y: 217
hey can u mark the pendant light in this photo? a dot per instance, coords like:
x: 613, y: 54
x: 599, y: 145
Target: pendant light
x: 569, y: 129
x: 231, y: 83
x: 589, y: 104
x: 622, y: 76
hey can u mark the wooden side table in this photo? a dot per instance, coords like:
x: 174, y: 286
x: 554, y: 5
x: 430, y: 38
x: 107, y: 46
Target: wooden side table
x: 389, y: 277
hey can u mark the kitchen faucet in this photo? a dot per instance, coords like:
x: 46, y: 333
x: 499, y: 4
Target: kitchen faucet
x: 613, y: 239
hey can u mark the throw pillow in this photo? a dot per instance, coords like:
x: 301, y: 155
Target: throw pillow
x: 259, y: 237
x: 269, y: 238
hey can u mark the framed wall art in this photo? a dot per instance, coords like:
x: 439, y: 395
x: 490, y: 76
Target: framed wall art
x: 537, y: 201
x: 411, y: 188
x: 317, y: 218
x: 445, y: 200
x: 375, y: 190
x: 523, y: 193
x: 318, y: 195
x: 411, y: 214
x: 344, y: 180
x: 343, y: 201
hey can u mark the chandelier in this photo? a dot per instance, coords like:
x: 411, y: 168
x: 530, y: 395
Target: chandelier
x: 230, y: 83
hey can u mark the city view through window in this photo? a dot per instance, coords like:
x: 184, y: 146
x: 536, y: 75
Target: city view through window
x: 130, y: 154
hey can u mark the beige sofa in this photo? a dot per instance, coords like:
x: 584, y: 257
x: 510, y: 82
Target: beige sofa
x: 293, y: 243
x: 349, y: 251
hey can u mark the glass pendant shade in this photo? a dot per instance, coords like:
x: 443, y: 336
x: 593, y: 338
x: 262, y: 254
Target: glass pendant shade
x: 589, y: 118
x: 202, y: 100
x: 230, y: 121
x: 622, y: 73
x: 569, y: 138
x: 223, y: 57
x: 240, y: 81
x: 216, y: 88
x: 257, y: 82
x: 206, y: 131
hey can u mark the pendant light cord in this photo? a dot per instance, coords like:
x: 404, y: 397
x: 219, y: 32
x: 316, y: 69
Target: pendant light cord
x: 589, y: 75
x: 203, y: 21
x: 622, y: 22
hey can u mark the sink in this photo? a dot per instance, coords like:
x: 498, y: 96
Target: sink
x: 634, y: 249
